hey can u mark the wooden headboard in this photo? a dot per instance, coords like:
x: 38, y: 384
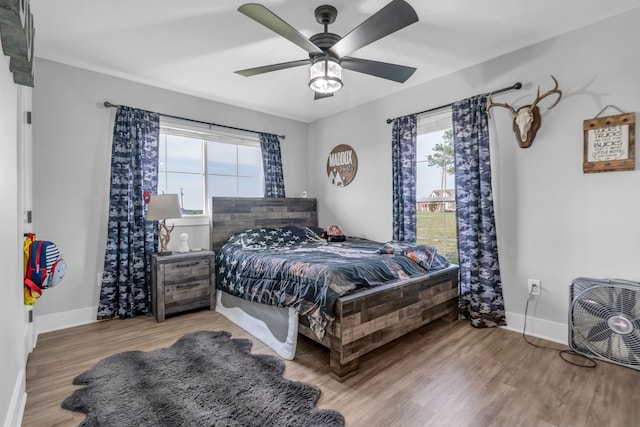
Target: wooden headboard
x: 233, y: 214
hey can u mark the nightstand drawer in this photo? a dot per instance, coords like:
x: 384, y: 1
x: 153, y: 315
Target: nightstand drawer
x: 179, y: 272
x: 181, y: 301
x: 187, y: 291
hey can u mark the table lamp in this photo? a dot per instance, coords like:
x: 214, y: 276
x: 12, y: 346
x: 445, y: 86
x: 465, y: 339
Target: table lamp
x: 162, y: 207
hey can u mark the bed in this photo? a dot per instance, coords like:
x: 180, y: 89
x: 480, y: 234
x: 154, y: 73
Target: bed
x: 349, y: 322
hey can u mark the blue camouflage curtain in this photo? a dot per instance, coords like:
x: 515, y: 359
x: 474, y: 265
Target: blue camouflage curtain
x: 403, y: 145
x: 130, y: 238
x: 480, y: 283
x: 272, y: 165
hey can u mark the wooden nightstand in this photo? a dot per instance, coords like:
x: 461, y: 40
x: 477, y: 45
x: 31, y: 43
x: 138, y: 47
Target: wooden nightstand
x: 181, y: 282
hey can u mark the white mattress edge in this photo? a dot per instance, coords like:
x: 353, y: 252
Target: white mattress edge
x: 258, y: 328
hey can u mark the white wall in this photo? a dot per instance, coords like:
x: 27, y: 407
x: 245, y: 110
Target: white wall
x: 72, y: 144
x: 554, y: 222
x: 12, y: 331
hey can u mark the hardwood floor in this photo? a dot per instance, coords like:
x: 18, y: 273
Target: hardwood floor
x: 444, y: 374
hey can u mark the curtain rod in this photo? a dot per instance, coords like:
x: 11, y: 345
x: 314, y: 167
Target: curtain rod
x: 110, y: 105
x: 515, y: 86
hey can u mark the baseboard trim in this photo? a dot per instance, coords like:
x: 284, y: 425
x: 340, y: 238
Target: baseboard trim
x: 18, y: 402
x: 539, y: 328
x: 31, y: 332
x: 66, y: 319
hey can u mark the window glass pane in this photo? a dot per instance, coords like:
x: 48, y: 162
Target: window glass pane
x: 429, y: 176
x: 250, y: 187
x: 162, y: 153
x: 184, y: 154
x: 424, y: 186
x: 220, y: 185
x: 221, y: 158
x: 439, y: 229
x: 162, y: 183
x: 249, y: 161
x: 189, y: 188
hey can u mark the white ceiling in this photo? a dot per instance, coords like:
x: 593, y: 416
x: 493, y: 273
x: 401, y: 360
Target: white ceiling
x: 195, y: 46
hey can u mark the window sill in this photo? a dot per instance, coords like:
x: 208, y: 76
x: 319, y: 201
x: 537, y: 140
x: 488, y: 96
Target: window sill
x: 189, y: 220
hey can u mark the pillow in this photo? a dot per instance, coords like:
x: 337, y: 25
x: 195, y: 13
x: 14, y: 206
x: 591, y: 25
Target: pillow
x: 395, y: 247
x: 317, y: 230
x: 270, y: 237
x: 439, y: 262
x: 423, y: 255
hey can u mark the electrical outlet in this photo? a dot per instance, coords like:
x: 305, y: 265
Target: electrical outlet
x: 534, y: 287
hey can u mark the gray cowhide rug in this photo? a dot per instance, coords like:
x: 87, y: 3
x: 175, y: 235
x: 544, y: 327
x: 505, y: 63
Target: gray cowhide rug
x: 204, y: 379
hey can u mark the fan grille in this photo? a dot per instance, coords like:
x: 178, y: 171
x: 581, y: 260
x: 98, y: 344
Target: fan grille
x: 604, y: 320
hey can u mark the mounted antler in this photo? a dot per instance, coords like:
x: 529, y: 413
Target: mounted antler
x: 526, y: 119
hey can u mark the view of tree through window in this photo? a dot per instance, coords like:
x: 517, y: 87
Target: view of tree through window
x: 196, y: 165
x: 435, y: 185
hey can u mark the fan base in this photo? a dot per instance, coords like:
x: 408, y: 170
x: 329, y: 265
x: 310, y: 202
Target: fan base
x: 325, y: 40
x: 326, y: 14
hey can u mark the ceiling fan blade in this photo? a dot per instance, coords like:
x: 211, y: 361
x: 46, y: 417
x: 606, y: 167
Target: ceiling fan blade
x: 391, y: 18
x: 397, y: 73
x: 264, y: 16
x: 319, y: 95
x: 274, y: 67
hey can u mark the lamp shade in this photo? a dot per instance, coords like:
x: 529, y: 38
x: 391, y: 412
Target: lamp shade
x: 163, y: 206
x: 325, y: 75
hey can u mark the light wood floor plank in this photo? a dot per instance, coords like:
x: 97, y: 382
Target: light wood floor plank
x: 442, y: 375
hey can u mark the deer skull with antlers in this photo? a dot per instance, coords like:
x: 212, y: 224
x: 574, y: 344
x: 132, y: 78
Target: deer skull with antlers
x: 526, y: 119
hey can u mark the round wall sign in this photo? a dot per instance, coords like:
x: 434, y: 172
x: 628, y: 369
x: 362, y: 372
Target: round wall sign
x: 342, y: 165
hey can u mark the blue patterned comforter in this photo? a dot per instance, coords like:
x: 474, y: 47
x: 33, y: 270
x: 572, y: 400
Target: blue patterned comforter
x: 295, y: 267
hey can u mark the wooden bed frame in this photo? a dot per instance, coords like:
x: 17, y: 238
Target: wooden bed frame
x: 364, y: 320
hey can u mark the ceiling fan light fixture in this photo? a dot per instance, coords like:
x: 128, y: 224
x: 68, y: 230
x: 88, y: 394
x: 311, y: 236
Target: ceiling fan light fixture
x: 325, y: 75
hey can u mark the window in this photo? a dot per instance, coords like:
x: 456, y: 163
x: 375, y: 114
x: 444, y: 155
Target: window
x: 435, y: 185
x: 197, y: 163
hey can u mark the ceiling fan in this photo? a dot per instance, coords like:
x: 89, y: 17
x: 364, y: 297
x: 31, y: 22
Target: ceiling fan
x: 328, y: 52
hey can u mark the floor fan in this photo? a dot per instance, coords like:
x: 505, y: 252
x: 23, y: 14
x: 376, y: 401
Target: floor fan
x: 604, y: 320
